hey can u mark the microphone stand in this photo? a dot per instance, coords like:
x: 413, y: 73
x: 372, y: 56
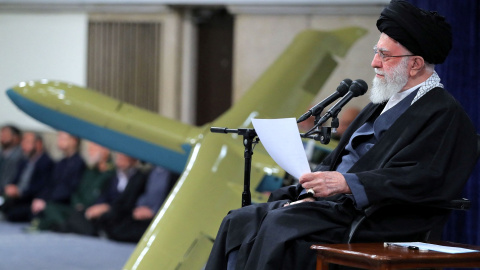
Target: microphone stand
x: 320, y: 133
x: 249, y: 138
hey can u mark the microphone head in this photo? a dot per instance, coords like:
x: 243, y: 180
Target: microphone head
x: 358, y: 87
x: 342, y: 89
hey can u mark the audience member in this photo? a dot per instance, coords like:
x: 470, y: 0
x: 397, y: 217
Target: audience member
x: 94, y: 180
x: 127, y: 222
x: 347, y: 116
x: 65, y: 177
x: 33, y: 171
x: 120, y: 196
x: 11, y: 153
x: 307, y: 124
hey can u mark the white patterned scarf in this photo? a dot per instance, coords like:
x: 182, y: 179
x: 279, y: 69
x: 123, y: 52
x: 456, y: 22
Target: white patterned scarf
x: 429, y: 84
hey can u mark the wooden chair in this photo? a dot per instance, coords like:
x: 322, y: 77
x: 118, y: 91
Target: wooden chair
x: 376, y: 256
x: 430, y: 235
x: 434, y: 233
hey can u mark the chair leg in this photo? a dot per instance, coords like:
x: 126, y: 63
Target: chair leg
x: 321, y: 265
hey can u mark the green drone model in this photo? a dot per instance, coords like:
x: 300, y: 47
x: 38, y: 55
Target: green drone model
x: 211, y: 165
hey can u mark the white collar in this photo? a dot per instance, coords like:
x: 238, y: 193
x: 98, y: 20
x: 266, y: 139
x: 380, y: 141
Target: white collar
x: 423, y: 88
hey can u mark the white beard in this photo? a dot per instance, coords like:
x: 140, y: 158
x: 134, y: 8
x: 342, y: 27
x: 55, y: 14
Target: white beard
x: 92, y: 160
x: 392, y: 83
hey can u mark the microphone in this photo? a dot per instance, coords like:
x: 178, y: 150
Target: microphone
x: 358, y: 88
x: 342, y: 89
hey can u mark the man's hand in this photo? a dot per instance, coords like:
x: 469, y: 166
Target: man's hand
x: 38, y: 205
x: 142, y: 213
x: 325, y: 184
x: 12, y: 191
x: 96, y: 210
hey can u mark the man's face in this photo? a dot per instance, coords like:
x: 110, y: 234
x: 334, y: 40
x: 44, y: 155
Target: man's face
x: 124, y: 162
x: 306, y: 125
x: 6, y: 138
x: 346, y: 119
x: 96, y: 153
x: 28, y: 144
x: 392, y: 73
x: 66, y: 142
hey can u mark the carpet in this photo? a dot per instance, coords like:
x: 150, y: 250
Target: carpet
x: 22, y: 250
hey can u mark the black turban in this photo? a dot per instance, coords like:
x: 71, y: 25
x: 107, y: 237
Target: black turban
x: 424, y: 33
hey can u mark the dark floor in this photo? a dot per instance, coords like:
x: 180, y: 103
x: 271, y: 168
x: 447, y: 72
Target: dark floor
x: 23, y: 250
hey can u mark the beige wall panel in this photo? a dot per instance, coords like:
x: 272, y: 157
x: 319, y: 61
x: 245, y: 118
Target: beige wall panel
x: 259, y: 40
x: 170, y: 66
x: 356, y: 64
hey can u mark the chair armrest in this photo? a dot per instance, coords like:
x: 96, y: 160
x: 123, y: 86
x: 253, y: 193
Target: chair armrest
x: 456, y: 204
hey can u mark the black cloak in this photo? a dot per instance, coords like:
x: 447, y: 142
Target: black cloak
x: 425, y: 157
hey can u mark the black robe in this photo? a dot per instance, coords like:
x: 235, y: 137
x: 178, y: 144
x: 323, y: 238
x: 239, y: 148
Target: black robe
x: 425, y: 157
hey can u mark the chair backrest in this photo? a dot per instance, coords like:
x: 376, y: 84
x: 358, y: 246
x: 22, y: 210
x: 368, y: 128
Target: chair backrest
x: 459, y: 204
x: 436, y: 232
x: 478, y: 146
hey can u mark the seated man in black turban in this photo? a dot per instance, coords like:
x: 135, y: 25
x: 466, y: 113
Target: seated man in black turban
x: 412, y: 143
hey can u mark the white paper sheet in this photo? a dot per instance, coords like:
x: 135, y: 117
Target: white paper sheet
x: 281, y: 139
x: 427, y: 246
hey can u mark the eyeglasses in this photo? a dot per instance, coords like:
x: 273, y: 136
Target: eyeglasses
x: 383, y: 56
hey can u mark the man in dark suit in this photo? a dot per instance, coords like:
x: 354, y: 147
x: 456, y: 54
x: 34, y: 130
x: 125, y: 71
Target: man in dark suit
x: 128, y: 219
x: 33, y: 171
x: 118, y: 198
x: 94, y: 180
x: 65, y: 176
x: 10, y: 153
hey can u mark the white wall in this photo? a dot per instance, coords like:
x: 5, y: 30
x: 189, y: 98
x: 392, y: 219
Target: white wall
x: 37, y: 46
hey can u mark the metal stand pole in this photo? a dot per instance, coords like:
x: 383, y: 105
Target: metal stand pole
x: 249, y: 138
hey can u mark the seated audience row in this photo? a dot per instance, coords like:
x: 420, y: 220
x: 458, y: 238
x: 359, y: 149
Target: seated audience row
x: 10, y: 155
x: 98, y: 196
